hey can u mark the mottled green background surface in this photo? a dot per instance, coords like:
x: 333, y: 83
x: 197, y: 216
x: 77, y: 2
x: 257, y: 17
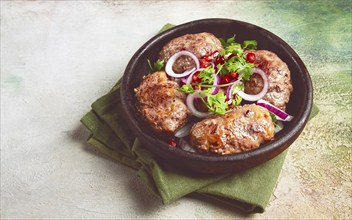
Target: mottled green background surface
x: 320, y: 32
x: 57, y: 57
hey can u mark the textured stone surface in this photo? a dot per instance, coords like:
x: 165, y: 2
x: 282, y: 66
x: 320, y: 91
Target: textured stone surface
x: 57, y: 57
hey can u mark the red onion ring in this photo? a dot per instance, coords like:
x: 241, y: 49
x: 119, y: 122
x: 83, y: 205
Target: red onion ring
x: 184, y: 131
x: 183, y: 80
x: 216, y: 82
x: 229, y: 95
x: 184, y: 145
x: 280, y: 115
x: 190, y: 104
x: 262, y: 93
x: 173, y: 58
x: 213, y: 64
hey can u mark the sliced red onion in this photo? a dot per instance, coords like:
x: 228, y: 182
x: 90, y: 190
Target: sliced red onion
x: 190, y: 104
x: 280, y: 115
x: 262, y: 93
x: 229, y: 94
x: 184, y: 145
x: 213, y: 64
x: 173, y: 58
x: 227, y: 55
x: 216, y: 82
x: 180, y: 81
x: 183, y: 80
x: 184, y: 131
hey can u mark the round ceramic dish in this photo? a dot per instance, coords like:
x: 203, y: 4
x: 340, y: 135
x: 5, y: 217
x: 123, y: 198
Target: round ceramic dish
x: 299, y: 106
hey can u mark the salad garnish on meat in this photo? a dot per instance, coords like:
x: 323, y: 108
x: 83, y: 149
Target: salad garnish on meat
x: 230, y: 87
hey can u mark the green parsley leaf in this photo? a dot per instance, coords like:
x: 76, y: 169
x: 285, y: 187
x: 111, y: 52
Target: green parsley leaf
x: 249, y: 44
x: 216, y: 103
x: 234, y: 48
x: 274, y: 119
x: 223, y: 42
x: 186, y: 89
x: 239, y: 65
x: 231, y: 40
x: 207, y: 75
x: 236, y: 88
x: 234, y: 66
x: 246, y: 72
x: 236, y: 100
x: 157, y: 65
x: 228, y: 41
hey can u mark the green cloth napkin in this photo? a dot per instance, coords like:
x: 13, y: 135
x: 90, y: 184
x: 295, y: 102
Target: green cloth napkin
x: 248, y: 190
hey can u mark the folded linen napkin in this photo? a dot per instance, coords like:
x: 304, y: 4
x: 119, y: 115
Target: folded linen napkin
x: 249, y: 190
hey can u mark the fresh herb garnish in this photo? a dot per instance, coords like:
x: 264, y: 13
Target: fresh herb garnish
x: 237, y: 63
x: 157, y: 65
x: 236, y: 88
x: 236, y: 100
x: 186, y: 89
x: 249, y: 44
x: 230, y: 67
x: 216, y: 103
x: 230, y: 63
x: 274, y: 120
x: 207, y: 75
x: 228, y: 42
